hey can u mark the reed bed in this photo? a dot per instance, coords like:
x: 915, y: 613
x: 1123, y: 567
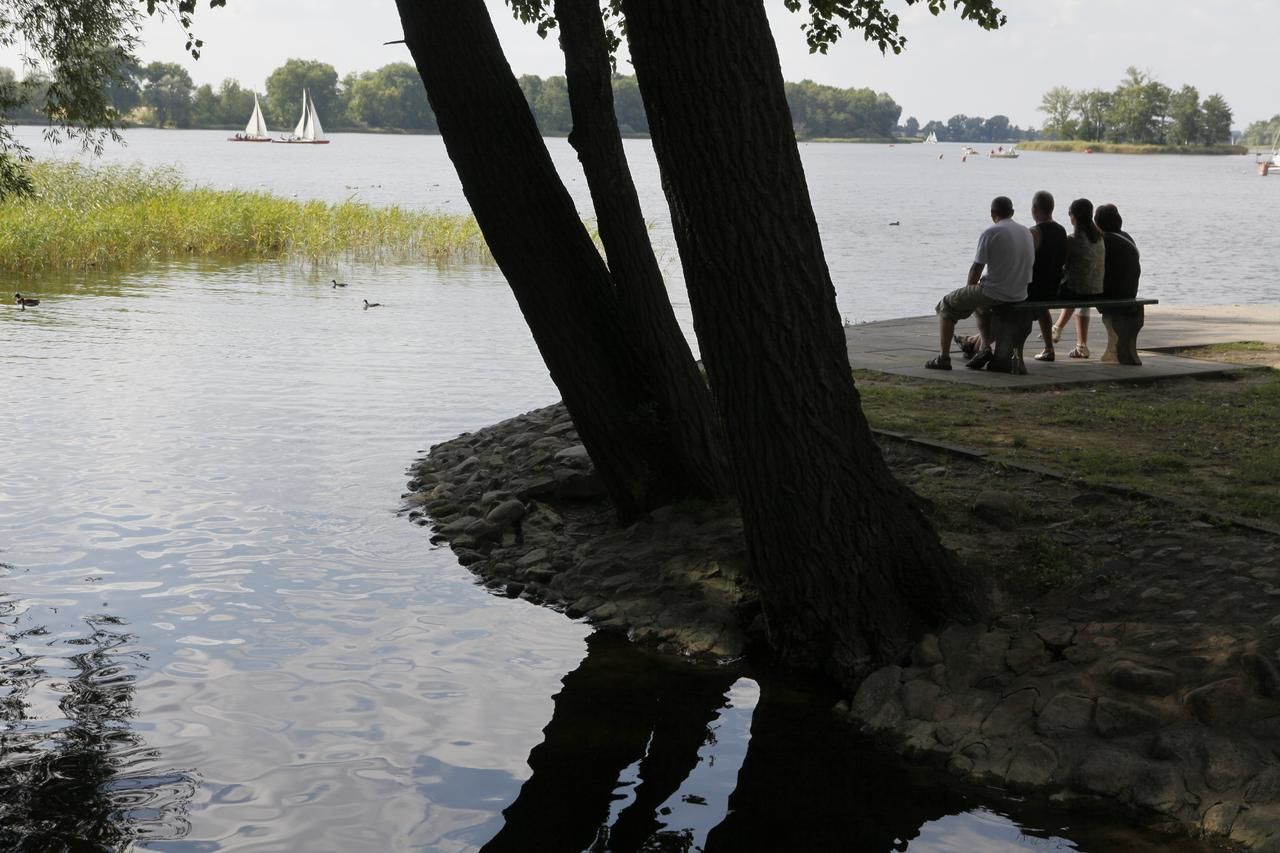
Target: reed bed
x: 116, y: 216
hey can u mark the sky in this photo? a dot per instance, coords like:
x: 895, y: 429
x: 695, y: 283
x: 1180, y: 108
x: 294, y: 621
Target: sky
x: 949, y: 66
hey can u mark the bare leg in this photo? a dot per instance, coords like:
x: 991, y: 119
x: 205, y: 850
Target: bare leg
x: 1046, y: 329
x: 947, y: 328
x: 1063, y: 317
x: 984, y: 329
x: 1082, y: 329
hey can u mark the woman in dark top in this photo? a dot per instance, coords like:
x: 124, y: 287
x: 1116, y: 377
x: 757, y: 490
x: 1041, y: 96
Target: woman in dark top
x: 1051, y: 253
x: 1123, y: 265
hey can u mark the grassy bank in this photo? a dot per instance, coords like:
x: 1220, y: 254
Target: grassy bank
x: 1210, y: 443
x: 1121, y: 148
x: 82, y: 218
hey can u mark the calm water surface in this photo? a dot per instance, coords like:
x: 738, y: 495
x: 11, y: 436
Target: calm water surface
x: 219, y: 634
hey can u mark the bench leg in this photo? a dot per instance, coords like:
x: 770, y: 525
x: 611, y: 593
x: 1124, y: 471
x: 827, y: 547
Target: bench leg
x: 1010, y: 330
x: 1122, y: 336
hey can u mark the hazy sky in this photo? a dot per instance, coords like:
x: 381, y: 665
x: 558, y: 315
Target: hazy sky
x: 949, y: 66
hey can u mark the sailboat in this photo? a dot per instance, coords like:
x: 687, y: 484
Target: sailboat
x: 931, y: 139
x: 256, y: 129
x: 308, y: 129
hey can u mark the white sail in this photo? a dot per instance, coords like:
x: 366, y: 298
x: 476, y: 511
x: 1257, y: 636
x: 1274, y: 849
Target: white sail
x: 932, y: 138
x: 301, y: 130
x: 314, y: 131
x: 257, y: 125
x: 308, y: 129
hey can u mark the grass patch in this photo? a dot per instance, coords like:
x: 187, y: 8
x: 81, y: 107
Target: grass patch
x: 1126, y: 148
x: 82, y: 218
x: 1210, y: 442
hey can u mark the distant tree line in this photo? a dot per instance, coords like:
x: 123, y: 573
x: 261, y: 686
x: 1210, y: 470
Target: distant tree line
x: 963, y: 128
x: 1140, y: 110
x: 162, y: 94
x: 1263, y: 132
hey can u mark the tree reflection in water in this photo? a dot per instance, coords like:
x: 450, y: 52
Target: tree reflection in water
x: 75, y: 780
x: 806, y: 784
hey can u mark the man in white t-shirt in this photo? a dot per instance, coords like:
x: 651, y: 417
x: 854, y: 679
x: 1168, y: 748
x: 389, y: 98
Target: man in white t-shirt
x: 1007, y: 252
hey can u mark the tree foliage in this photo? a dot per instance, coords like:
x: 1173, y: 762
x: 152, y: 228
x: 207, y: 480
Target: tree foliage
x: 1140, y: 110
x: 78, y: 51
x: 1262, y: 132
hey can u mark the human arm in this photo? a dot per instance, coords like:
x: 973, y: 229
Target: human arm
x: 975, y: 274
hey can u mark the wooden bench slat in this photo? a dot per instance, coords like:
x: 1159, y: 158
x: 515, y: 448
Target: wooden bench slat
x: 1040, y: 304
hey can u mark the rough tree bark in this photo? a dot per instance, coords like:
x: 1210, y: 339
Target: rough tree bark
x: 684, y: 403
x: 849, y: 569
x: 537, y: 237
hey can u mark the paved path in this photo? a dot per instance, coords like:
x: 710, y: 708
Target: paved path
x: 903, y: 346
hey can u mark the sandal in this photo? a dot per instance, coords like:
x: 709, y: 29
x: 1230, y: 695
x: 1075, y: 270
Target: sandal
x: 980, y: 360
x: 1047, y: 355
x: 1057, y: 334
x: 938, y: 363
x: 1081, y: 351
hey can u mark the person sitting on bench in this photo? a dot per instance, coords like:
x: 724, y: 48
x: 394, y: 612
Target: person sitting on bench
x: 1007, y: 251
x: 1123, y: 266
x: 1082, y: 278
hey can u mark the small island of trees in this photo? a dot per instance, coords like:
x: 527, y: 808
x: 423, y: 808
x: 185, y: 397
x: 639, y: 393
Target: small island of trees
x: 1139, y: 111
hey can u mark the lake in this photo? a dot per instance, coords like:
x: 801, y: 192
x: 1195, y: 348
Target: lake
x: 221, y: 634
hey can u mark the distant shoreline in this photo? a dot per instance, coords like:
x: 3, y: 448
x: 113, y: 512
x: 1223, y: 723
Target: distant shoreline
x: 1076, y: 145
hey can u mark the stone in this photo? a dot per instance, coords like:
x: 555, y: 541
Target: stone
x: 1218, y: 818
x: 999, y: 508
x: 1032, y: 766
x: 532, y: 558
x: 1112, y: 718
x: 1265, y: 787
x: 1066, y: 713
x: 1258, y: 827
x: 1127, y: 777
x: 919, y: 699
x: 1264, y: 676
x: 1012, y: 715
x: 875, y: 704
x: 927, y: 652
x: 1219, y: 703
x: 1138, y: 678
x: 506, y: 512
x: 574, y: 455
x: 1023, y: 661
x: 1056, y: 635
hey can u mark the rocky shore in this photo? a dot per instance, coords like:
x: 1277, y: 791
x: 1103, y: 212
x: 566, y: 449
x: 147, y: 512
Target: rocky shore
x: 1132, y: 661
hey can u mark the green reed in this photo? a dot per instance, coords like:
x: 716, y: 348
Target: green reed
x: 114, y: 216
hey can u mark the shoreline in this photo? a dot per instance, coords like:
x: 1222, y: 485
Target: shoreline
x: 1147, y: 682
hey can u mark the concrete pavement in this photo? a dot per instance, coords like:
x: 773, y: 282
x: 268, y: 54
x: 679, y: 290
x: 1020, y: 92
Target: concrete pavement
x: 903, y: 346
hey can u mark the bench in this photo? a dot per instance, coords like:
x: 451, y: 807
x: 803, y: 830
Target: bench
x: 1011, y: 326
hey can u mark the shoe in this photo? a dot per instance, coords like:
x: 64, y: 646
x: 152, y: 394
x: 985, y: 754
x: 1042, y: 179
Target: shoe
x: 968, y: 344
x: 1081, y: 351
x: 938, y: 363
x: 1057, y: 334
x: 1047, y: 355
x: 980, y: 360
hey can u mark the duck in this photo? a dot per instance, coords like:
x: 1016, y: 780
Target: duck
x: 368, y: 304
x: 24, y: 301
x: 337, y: 283
x: 896, y: 222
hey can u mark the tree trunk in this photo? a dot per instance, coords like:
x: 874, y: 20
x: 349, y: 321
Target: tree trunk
x: 684, y: 403
x: 538, y: 239
x: 849, y: 569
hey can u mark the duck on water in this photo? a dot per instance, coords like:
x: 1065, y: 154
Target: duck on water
x: 24, y: 301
